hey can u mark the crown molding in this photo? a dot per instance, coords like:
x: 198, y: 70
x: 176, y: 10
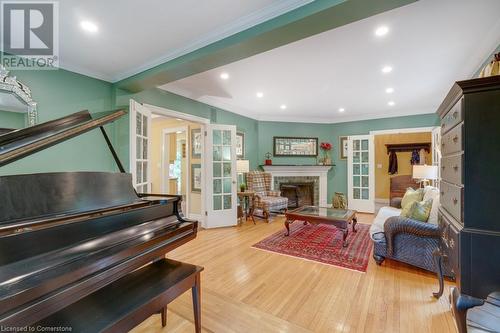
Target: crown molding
x: 84, y: 71
x: 298, y: 119
x: 347, y: 119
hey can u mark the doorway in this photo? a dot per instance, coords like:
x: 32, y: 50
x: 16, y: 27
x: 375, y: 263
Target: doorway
x: 172, y: 174
x: 181, y: 154
x: 411, y: 146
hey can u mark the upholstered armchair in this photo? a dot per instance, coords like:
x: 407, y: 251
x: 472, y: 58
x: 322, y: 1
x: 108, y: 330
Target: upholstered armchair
x: 407, y: 240
x: 266, y: 200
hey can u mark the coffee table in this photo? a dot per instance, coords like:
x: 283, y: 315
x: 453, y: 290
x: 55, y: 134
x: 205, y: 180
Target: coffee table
x: 340, y: 218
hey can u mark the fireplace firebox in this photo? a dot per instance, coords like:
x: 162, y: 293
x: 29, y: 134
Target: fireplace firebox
x: 298, y: 194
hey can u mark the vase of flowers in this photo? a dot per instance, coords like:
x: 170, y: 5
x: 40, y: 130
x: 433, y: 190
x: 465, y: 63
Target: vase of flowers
x: 326, y: 147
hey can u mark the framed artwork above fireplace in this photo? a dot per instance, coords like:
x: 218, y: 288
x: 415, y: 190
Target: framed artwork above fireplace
x: 295, y: 146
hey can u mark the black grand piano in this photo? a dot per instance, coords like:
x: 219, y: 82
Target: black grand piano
x: 64, y: 236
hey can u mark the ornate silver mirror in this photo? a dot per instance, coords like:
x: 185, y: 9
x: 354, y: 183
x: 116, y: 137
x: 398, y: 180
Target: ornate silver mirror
x: 17, y: 108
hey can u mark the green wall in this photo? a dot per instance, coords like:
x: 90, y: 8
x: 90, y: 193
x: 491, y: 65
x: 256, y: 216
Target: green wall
x: 59, y: 93
x: 178, y: 103
x: 337, y: 177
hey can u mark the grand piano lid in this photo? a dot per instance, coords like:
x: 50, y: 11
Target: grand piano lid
x: 20, y: 143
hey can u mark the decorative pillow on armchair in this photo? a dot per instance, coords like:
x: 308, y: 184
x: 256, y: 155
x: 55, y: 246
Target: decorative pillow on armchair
x: 419, y: 210
x: 431, y: 192
x: 411, y: 196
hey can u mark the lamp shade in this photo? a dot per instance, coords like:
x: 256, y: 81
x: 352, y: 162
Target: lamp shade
x: 425, y: 172
x: 242, y: 166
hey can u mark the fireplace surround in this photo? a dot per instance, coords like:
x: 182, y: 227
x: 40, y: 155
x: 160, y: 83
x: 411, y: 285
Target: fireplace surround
x: 302, y: 174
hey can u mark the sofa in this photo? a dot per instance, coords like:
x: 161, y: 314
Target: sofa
x: 407, y: 240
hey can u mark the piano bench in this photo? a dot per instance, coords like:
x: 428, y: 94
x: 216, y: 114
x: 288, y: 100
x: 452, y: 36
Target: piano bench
x: 125, y: 303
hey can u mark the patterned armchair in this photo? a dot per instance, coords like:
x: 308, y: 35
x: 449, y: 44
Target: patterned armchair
x: 265, y: 200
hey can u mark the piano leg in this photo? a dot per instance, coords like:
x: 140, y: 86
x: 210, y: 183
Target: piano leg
x: 164, y: 316
x: 196, y: 291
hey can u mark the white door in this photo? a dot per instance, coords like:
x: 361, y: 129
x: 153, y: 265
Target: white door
x: 360, y: 173
x: 140, y: 147
x: 220, y: 160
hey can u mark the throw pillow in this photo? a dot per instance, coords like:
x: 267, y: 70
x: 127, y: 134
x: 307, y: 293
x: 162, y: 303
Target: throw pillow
x: 411, y: 196
x: 431, y: 192
x: 406, y: 210
x: 420, y: 210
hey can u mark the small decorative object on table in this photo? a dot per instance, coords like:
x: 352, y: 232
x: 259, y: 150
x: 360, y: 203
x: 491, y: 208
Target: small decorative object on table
x: 268, y: 160
x: 326, y: 147
x: 339, y: 201
x: 493, y: 68
x: 243, y: 187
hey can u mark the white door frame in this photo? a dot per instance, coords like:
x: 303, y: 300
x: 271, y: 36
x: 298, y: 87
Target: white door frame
x: 404, y: 131
x: 222, y: 217
x: 364, y: 204
x: 164, y: 158
x: 187, y: 117
x: 133, y: 144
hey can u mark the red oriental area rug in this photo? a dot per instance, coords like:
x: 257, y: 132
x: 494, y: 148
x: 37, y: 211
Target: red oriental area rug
x: 322, y: 243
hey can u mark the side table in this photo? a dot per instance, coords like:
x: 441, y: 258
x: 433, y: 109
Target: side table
x: 246, y: 209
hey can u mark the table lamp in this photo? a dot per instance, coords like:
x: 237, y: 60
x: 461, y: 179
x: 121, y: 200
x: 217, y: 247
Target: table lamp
x: 425, y: 173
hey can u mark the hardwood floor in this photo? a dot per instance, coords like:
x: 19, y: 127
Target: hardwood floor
x: 250, y: 290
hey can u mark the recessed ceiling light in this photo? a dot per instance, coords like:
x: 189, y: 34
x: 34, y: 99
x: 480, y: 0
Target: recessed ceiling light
x: 381, y: 31
x: 386, y: 69
x: 178, y: 119
x: 179, y: 132
x: 224, y: 76
x: 260, y: 94
x: 389, y: 90
x: 89, y: 26
x: 391, y: 103
x: 283, y: 107
x: 341, y: 110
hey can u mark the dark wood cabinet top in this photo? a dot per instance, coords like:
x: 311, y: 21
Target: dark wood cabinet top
x: 460, y: 88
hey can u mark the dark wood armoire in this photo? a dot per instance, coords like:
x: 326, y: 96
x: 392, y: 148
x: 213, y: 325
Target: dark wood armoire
x: 469, y: 214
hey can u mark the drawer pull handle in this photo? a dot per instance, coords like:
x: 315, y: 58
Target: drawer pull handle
x: 442, y: 125
x: 455, y: 138
x: 455, y: 168
x: 442, y: 144
x: 455, y: 201
x: 442, y: 192
x: 443, y: 167
x: 455, y: 114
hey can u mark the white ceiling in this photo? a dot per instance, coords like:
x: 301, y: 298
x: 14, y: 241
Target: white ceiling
x: 431, y: 43
x: 137, y: 35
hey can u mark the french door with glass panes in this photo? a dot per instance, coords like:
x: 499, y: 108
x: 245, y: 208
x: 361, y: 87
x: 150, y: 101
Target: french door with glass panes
x: 360, y: 173
x: 221, y: 176
x: 140, y: 151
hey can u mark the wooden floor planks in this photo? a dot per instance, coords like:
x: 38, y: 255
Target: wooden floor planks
x: 249, y: 290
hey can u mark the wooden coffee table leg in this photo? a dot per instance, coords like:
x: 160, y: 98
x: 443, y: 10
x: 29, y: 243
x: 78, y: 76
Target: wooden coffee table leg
x: 344, y: 237
x: 287, y: 226
x: 354, y: 222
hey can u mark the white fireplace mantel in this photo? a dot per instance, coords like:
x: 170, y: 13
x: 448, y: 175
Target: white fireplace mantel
x: 320, y: 171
